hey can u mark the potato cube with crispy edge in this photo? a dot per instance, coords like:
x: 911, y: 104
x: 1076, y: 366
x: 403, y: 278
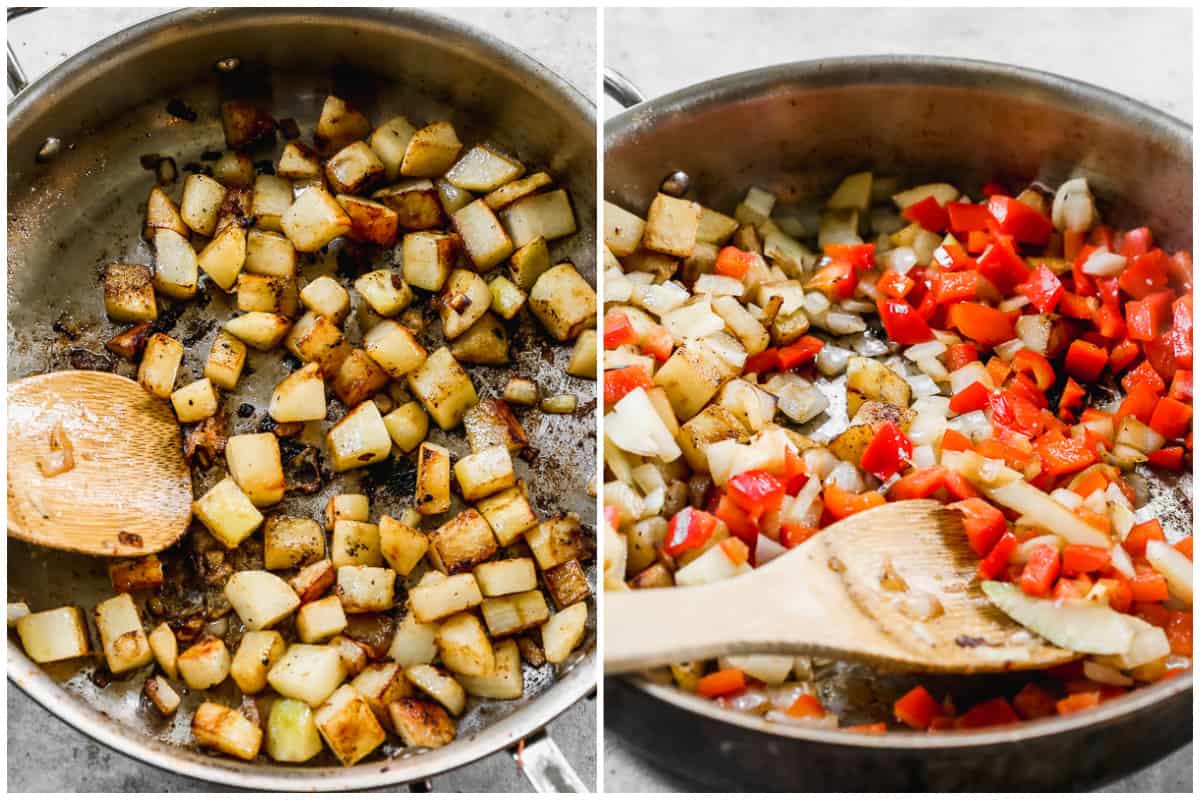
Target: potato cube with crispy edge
x: 464, y: 645
x: 463, y: 542
x: 256, y: 654
x: 414, y: 642
x: 292, y: 736
x: 438, y: 684
x: 226, y: 730
x: 390, y: 141
x: 161, y: 694
x: 563, y: 302
x: 200, y: 203
x: 567, y: 583
x: 353, y: 507
x: 298, y: 162
x: 129, y: 343
x: 300, y: 397
x: 464, y: 300
x: 290, y: 542
x: 505, y: 681
x: 205, y: 664
x: 354, y: 654
x: 483, y: 236
x: 381, y: 684
x: 428, y: 257
x: 355, y: 543
x: 491, y: 422
x: 370, y: 221
x: 354, y: 168
x: 485, y: 473
x: 320, y: 619
x: 714, y: 424
x: 563, y: 632
x: 261, y: 599
x: 224, y: 256
x: 318, y: 339
x: 420, y: 723
x: 444, y: 388
x: 432, y: 602
x: 245, y: 123
x: 314, y: 220
x: 522, y: 391
x: 407, y: 424
x: 313, y: 581
x: 160, y: 364
x: 671, y: 226
x: 384, y: 291
x: 483, y: 169
x: 514, y: 613
x: 359, y: 439
x: 513, y: 191
x: 129, y: 293
x: 54, y: 635
x: 691, y: 377
x: 507, y: 297
x: 339, y: 124
x: 402, y: 546
x: 267, y: 293
x: 262, y: 330
x: 433, y: 479
x: 254, y: 463
x: 583, y: 356
x: 165, y: 647
x: 176, y: 270
x: 416, y: 204
x: 508, y: 513
x: 349, y: 726
x: 227, y: 513
x: 485, y: 342
x: 308, y: 672
x: 271, y: 199
x: 452, y: 197
x: 431, y: 151
x: 507, y: 576
x: 121, y: 635
x: 547, y: 215
x: 366, y: 588
x: 327, y: 297
x: 269, y: 253
x: 162, y: 214
x: 359, y: 378
x: 555, y: 541
x: 196, y: 401
x: 622, y: 230
x: 529, y: 262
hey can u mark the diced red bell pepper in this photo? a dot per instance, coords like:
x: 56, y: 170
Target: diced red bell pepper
x: 996, y: 711
x: 794, y: 476
x: 859, y: 256
x: 867, y: 727
x: 1015, y: 412
x: 917, y: 708
x: 618, y: 330
x: 996, y: 561
x: 1139, y: 403
x: 1077, y: 306
x: 1033, y: 702
x: 756, y: 492
x: 735, y: 550
x: 721, y: 683
x: 889, y: 452
x: 1024, y: 223
x: 1166, y: 458
x: 1079, y: 701
x: 1147, y: 317
x: 1160, y: 352
x: 972, y: 398
x: 1036, y: 366
x: 740, y: 523
x: 983, y: 324
x: 902, y: 323
x: 953, y: 440
x: 1184, y: 546
x: 1179, y: 633
x: 1040, y: 571
x: 998, y: 370
x: 792, y: 534
x: 983, y: 523
x: 1120, y: 595
x: 994, y: 186
x: 1144, y: 375
x: 951, y: 287
x: 1181, y: 385
x: 1148, y: 586
x: 967, y: 217
x: 658, y: 342
x: 1145, y: 274
x: 1181, y: 270
x: 1152, y: 611
x: 838, y: 280
x: 1079, y: 559
x: 929, y: 214
x: 1171, y: 418
x: 951, y: 256
x: 841, y: 503
x: 734, y: 263
x: 766, y: 361
x: 1136, y: 242
x: 806, y: 706
x: 620, y: 382
x: 978, y: 241
x: 961, y: 354
x: 1062, y: 456
x: 893, y: 284
x: 1072, y: 396
x: 1109, y: 322
x: 1123, y: 353
x: 1085, y: 361
x: 1135, y: 540
x: 690, y: 527
x: 1182, y: 331
x: 958, y: 487
x: 612, y: 515
x: 1043, y: 288
x: 1021, y: 384
x: 799, y: 353
x: 1001, y: 265
x: 919, y: 484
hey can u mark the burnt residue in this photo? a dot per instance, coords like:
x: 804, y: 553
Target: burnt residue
x: 390, y: 481
x: 304, y: 473
x: 963, y: 640
x: 168, y: 317
x: 245, y: 410
x: 289, y: 128
x: 197, y: 329
x: 181, y: 110
x: 82, y: 358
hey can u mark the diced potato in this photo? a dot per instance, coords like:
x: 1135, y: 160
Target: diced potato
x: 483, y: 236
x: 402, y: 546
x: 224, y: 256
x: 327, y: 297
x: 254, y: 463
x: 314, y: 581
x: 354, y: 168
x: 161, y: 694
x: 165, y: 647
x: 507, y: 297
x: 292, y: 735
x: 415, y: 642
x: 567, y: 583
x: 510, y: 193
x: 742, y: 324
x: 563, y: 302
x: 201, y: 202
x: 300, y: 397
x: 227, y: 730
x: 485, y: 473
x: 260, y: 598
x: 514, y: 613
x: 563, y: 632
x: 506, y: 680
x: 162, y: 214
x: 464, y: 645
x: 507, y: 576
x: 508, y: 514
x: 393, y: 347
x: 298, y: 162
x: 868, y: 379
x: 444, y: 388
x: 715, y: 228
x: 314, y: 220
x: 853, y: 192
x: 227, y: 513
x: 622, y: 230
x: 390, y: 141
x: 463, y: 542
x: 420, y: 723
x: 204, y: 664
x: 492, y: 422
x: 584, y: 355
x: 370, y: 221
x: 485, y: 342
x: 225, y: 361
x: 385, y: 292
x: 715, y: 423
x: 129, y: 293
x: 547, y: 215
x: 320, y: 619
x: 267, y: 293
x: 483, y: 169
x: 308, y: 672
x: 671, y: 226
x: 556, y: 541
x: 348, y: 726
x: 381, y: 685
x: 407, y: 424
x: 355, y: 543
x: 339, y: 124
x: 428, y: 257
x: 256, y: 654
x: 433, y: 479
x: 359, y: 439
x: 431, y: 151
x: 432, y: 602
x: 354, y: 507
x: 452, y: 197
x: 438, y: 684
x: 318, y: 339
x: 522, y: 391
x: 290, y: 542
x: 54, y: 635
x: 358, y: 379
x: 692, y: 376
x: 262, y: 330
x: 176, y: 270
x: 529, y: 262
x: 416, y: 204
x: 366, y: 588
x: 269, y: 253
x: 121, y: 635
x: 17, y: 612
x: 272, y: 200
x: 464, y: 300
x: 196, y: 401
x: 245, y: 124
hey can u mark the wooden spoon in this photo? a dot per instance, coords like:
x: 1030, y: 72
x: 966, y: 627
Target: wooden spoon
x: 129, y: 492
x: 825, y: 598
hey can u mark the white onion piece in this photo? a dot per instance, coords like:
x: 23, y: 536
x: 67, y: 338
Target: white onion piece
x: 832, y: 360
x: 846, y: 476
x: 693, y: 321
x: 1034, y: 330
x: 804, y: 498
x: 1121, y: 562
x: 815, y: 303
x: 866, y: 287
x: 1095, y: 502
x: 1073, y: 208
x: 930, y: 349
x: 923, y: 386
x: 766, y: 550
x: 1172, y: 565
x: 900, y: 260
x: 1113, y: 494
x: 717, y: 286
x: 934, y: 369
x: 819, y: 462
x: 1124, y: 457
x: 652, y: 503
x: 661, y: 298
x: 1068, y: 498
x: 635, y: 426
x: 801, y: 404
x: 785, y: 695
x: 829, y: 721
x: 617, y: 287
x: 625, y: 499
x: 749, y: 701
x: 968, y: 374
x: 791, y: 293
x: 856, y: 306
x: 939, y: 406
x: 923, y: 456
x: 1013, y: 303
x: 647, y: 477
x: 1006, y: 350
x: 947, y: 337
x: 1138, y: 435
x: 926, y: 429
x: 1149, y: 644
x: 640, y: 278
x: 710, y: 566
x: 1102, y: 673
x: 840, y: 323
x: 1022, y: 551
x: 720, y: 457
x: 974, y: 425
x: 924, y: 245
x: 1103, y: 263
x: 728, y: 348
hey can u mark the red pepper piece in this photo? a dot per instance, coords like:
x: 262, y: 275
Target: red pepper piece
x: 1109, y: 322
x: 841, y: 503
x: 1062, y: 456
x: 620, y: 382
x: 917, y: 709
x: 1079, y: 701
x: 1078, y: 559
x: 756, y: 492
x: 953, y: 440
x: 919, y: 484
x: 1085, y: 361
x: 983, y: 523
x: 766, y: 361
x: 792, y: 534
x: 618, y: 330
x: 1148, y: 586
x: 1180, y: 269
x: 893, y: 284
x: 1182, y: 331
x: 800, y: 352
x: 1036, y: 366
x: 1001, y: 265
x: 967, y: 217
x: 1179, y: 633
x: 860, y: 256
x: 972, y: 398
x: 902, y: 323
x: 1016, y: 413
x: 1144, y: 375
x: 929, y: 214
x: 1145, y: 274
x: 1181, y: 385
x: 958, y: 487
x: 1040, y: 571
x: 689, y: 528
x: 1139, y: 403
x: 983, y: 324
x: 838, y: 280
x: 721, y: 683
x: 734, y: 263
x: 996, y: 711
x: 1167, y: 458
x: 658, y: 342
x: 1135, y: 541
x: 1077, y: 306
x: 951, y: 287
x: 997, y: 560
x: 1171, y: 418
x: 961, y: 354
x: 1024, y: 223
x: 806, y: 705
x: 1123, y: 353
x: 740, y: 524
x: 888, y: 453
x: 1136, y: 242
x: 1072, y: 396
x: 1043, y: 288
x: 1147, y: 317
x: 1033, y: 702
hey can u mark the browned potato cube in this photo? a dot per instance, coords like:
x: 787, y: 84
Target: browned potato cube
x: 402, y: 546
x: 160, y: 365
x: 511, y: 192
x: 272, y: 200
x: 415, y: 203
x: 485, y: 473
x: 370, y: 221
x: 134, y: 574
x: 714, y: 424
x: 692, y: 376
x: 364, y: 589
x: 465, y: 299
x: 394, y: 348
x: 464, y: 645
x: 267, y: 293
x: 444, y: 388
x: 121, y: 634
x: 270, y: 253
x: 563, y: 302
x: 485, y: 342
x: 255, y: 464
x: 491, y: 422
x: 508, y: 513
x: 556, y: 541
x: 298, y: 162
x: 567, y: 583
x: 671, y: 226
x: 290, y: 542
x: 245, y: 123
x: 204, y: 664
x: 433, y: 479
x: 514, y: 613
x: 161, y: 694
x: 201, y: 202
x: 256, y: 654
x: 340, y: 124
x: 528, y: 263
x: 385, y: 292
x: 547, y: 215
x: 389, y: 141
x: 463, y: 542
x: 421, y: 723
x: 129, y: 293
x: 355, y: 543
x: 320, y: 619
x: 314, y: 219
x: 318, y: 339
x: 431, y: 151
x: 483, y: 236
x: 313, y: 581
x: 162, y: 214
x: 358, y: 379
x: 353, y: 169
x: 429, y: 257
x: 381, y: 685
x: 225, y: 729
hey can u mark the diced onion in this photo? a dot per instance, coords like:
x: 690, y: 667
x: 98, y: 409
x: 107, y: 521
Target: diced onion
x: 1095, y: 502
x: 801, y: 404
x: 829, y: 721
x: 1102, y: 673
x: 625, y: 499
x: 832, y: 360
x: 846, y: 476
x: 693, y: 320
x: 661, y: 298
x: 1013, y: 303
x: 1121, y: 561
x: 855, y: 306
x: 841, y: 323
x: 923, y: 385
x: 867, y: 346
x: 968, y: 374
x: 947, y: 337
x: 815, y: 303
x: 1103, y: 263
x: 934, y: 369
x: 819, y: 462
x: 720, y: 457
x: 747, y: 702
x: 728, y: 348
x: 1034, y: 330
x: 766, y: 550
x: 1138, y: 435
x: 923, y: 456
x: 716, y: 285
x: 1006, y: 350
x: 974, y: 425
x: 617, y: 287
x: 635, y: 426
x: 924, y: 350
x: 1068, y: 498
x: 1022, y: 552
x: 900, y: 260
x: 1073, y: 208
x: 1172, y: 565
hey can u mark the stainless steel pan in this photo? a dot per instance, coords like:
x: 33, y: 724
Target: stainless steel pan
x: 75, y: 185
x: 794, y: 130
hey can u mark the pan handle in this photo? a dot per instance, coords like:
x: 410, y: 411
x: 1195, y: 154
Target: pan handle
x: 546, y: 767
x: 621, y: 89
x: 17, y: 79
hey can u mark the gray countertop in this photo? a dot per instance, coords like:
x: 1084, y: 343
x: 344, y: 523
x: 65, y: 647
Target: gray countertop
x: 46, y: 755
x: 661, y: 50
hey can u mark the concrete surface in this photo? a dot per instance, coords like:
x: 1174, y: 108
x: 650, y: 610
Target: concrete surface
x: 1143, y: 53
x: 46, y: 755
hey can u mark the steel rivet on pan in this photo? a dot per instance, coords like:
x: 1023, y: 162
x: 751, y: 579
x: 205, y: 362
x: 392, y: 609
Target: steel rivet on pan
x: 228, y: 64
x: 49, y: 149
x: 676, y: 184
